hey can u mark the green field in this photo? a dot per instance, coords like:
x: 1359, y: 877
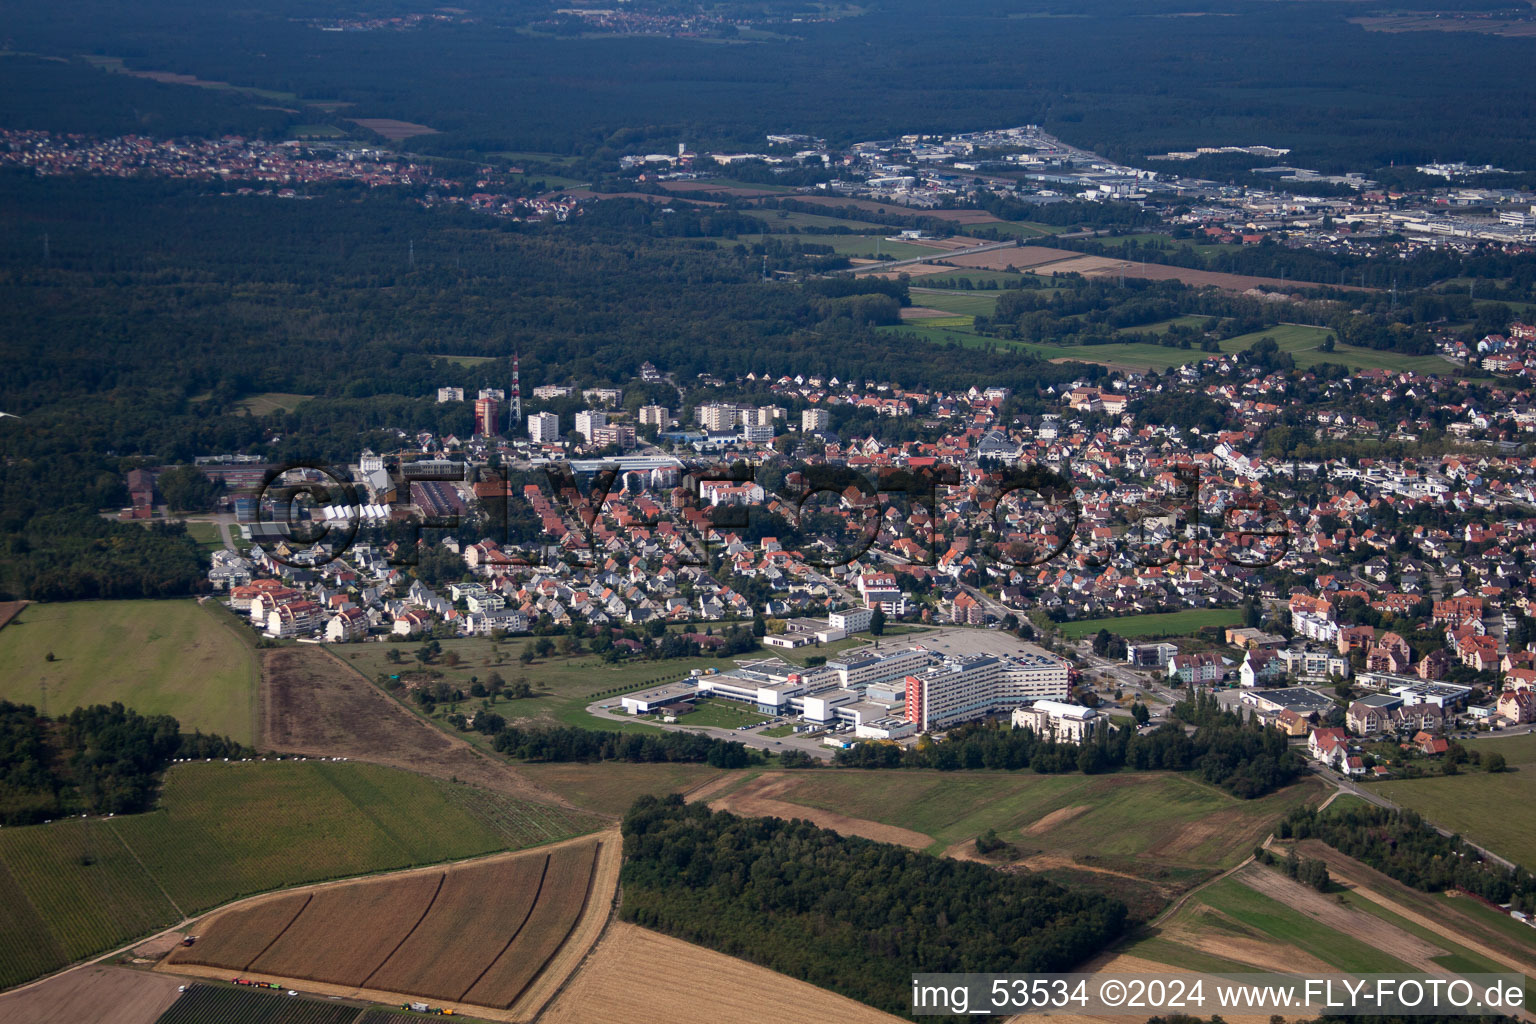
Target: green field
x: 952, y: 301
x: 1478, y: 806
x: 1517, y: 750
x: 563, y: 685
x: 158, y: 657
x: 721, y: 714
x: 1135, y: 627
x: 1299, y: 340
x: 270, y: 402
x: 225, y: 830
x: 207, y: 536
x: 974, y: 276
x: 956, y: 322
x: 1275, y: 920
x: 610, y: 787
x: 1024, y: 229
x: 1161, y: 326
x: 779, y: 220
x: 1457, y: 958
x: 1150, y: 825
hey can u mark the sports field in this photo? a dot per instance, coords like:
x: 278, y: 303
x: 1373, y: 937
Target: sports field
x: 158, y: 657
x: 1135, y: 627
x: 78, y: 887
x: 1478, y: 805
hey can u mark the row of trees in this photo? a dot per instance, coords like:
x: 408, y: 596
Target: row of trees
x: 104, y: 759
x: 569, y: 743
x: 1245, y: 760
x: 848, y: 914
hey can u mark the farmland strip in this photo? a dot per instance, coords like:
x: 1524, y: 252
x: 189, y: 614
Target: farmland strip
x: 554, y: 914
x: 239, y: 937
x: 544, y: 874
x: 281, y: 932
x: 585, y: 898
x: 479, y: 908
x: 372, y: 915
x: 425, y: 911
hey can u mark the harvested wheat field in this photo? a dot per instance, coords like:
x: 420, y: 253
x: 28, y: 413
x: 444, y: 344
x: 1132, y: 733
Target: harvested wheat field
x: 634, y: 976
x: 759, y: 799
x: 494, y: 938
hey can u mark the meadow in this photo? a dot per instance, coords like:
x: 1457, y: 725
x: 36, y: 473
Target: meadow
x: 952, y: 301
x: 158, y: 657
x: 1301, y: 341
x: 1477, y: 805
x: 224, y: 830
x: 1135, y: 627
x: 610, y: 787
x: 563, y: 685
x: 273, y: 401
x: 1142, y: 824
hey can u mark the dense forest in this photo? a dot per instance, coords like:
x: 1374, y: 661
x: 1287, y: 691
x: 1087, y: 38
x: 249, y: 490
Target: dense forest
x: 1122, y: 78
x: 1244, y: 759
x: 1406, y: 847
x: 96, y: 760
x: 847, y: 914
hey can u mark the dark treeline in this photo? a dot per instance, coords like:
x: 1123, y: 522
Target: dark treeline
x: 569, y: 743
x: 847, y: 914
x: 1331, y: 91
x: 1404, y: 846
x: 96, y: 760
x: 1244, y: 759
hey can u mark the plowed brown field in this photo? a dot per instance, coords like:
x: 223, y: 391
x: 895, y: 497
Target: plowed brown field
x: 561, y: 900
x: 315, y: 704
x: 494, y: 938
x: 454, y: 945
x: 238, y: 948
x: 344, y: 934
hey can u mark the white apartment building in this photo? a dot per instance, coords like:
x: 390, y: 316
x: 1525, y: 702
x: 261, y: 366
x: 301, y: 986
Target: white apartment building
x: 543, y: 427
x: 588, y: 420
